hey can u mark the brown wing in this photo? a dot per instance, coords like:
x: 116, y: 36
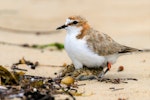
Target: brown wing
x: 104, y: 45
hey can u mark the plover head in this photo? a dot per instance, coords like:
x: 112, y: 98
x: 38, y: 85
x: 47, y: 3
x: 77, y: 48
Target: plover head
x: 74, y: 23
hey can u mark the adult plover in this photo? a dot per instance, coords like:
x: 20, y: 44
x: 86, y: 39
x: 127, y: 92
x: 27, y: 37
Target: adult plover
x: 89, y: 47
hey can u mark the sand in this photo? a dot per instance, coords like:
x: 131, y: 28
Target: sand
x: 128, y: 22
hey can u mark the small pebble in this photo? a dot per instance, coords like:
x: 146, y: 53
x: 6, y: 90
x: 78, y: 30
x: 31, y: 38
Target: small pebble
x: 121, y: 68
x: 55, y: 73
x: 32, y: 79
x: 34, y: 89
x: 67, y: 80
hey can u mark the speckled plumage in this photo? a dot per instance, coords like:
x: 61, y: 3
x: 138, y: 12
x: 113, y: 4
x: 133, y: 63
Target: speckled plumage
x: 104, y: 45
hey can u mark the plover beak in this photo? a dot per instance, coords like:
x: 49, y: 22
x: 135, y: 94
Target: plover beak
x: 61, y: 27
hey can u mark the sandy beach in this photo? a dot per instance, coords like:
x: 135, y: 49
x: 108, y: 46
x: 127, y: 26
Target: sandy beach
x: 127, y: 22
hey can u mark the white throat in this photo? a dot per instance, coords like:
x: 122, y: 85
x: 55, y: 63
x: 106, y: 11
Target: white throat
x: 73, y: 30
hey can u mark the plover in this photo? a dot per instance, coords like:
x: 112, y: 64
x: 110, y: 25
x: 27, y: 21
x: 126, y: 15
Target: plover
x: 89, y: 47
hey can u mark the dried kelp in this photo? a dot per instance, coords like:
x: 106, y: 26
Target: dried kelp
x: 32, y: 65
x: 58, y: 46
x: 18, y: 85
x: 7, y: 77
x: 91, y: 73
x: 81, y: 74
x: 15, y: 84
x: 117, y: 80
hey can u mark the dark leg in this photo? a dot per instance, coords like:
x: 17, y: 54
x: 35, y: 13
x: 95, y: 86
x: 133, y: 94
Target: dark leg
x: 108, y: 68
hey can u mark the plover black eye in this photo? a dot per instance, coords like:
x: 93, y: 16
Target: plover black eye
x: 75, y: 22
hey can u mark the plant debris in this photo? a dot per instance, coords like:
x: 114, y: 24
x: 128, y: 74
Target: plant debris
x: 23, y: 61
x: 122, y: 99
x: 7, y: 77
x: 58, y: 46
x: 118, y: 80
x: 15, y: 84
x: 90, y: 73
x: 81, y: 74
x: 116, y: 89
x: 18, y: 85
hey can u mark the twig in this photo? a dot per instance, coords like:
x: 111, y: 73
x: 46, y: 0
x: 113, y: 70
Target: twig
x: 67, y: 92
x: 49, y: 65
x: 132, y: 79
x: 114, y: 89
x: 118, y: 89
x: 19, y: 69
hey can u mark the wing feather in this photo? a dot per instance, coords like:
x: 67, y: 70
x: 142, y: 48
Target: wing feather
x: 104, y: 45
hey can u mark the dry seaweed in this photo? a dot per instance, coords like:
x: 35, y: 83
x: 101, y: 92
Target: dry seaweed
x: 58, y: 46
x: 117, y: 80
x: 7, y: 77
x: 15, y: 84
x: 81, y: 74
x: 18, y: 85
x: 26, y: 62
x: 91, y: 73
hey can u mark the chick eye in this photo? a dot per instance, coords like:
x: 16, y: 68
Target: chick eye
x: 75, y: 22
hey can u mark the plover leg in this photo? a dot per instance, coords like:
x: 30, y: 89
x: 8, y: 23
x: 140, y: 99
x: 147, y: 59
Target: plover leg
x: 101, y: 75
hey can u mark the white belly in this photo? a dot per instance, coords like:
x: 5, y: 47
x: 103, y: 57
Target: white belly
x: 80, y: 54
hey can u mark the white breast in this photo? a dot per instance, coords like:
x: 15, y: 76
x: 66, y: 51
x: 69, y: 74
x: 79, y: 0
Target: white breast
x: 79, y: 52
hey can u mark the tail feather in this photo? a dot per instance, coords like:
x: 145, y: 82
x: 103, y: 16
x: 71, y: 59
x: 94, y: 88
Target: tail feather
x: 132, y: 50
